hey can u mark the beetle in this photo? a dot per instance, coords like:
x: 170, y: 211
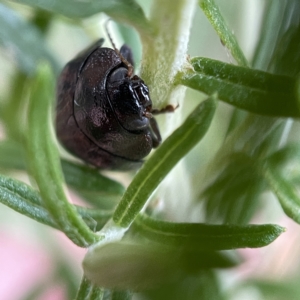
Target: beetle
x: 104, y: 112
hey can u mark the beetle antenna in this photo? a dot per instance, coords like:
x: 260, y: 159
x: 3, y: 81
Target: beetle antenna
x: 123, y: 59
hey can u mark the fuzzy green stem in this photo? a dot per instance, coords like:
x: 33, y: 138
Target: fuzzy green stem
x: 165, y: 54
x: 215, y: 17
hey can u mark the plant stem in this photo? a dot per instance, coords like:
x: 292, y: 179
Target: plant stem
x: 215, y: 17
x: 164, y: 55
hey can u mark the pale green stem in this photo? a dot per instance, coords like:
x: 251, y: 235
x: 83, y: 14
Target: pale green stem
x: 163, y: 57
x: 165, y: 54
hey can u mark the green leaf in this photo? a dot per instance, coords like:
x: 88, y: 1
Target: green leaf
x: 43, y: 160
x: 27, y: 201
x: 289, y: 155
x: 24, y: 200
x: 127, y: 11
x: 215, y: 17
x: 163, y: 160
x: 253, y: 90
x: 137, y: 266
x: 85, y: 180
x: 24, y: 41
x: 233, y: 196
x: 198, y: 236
x: 286, y: 193
x: 98, y: 190
x: 89, y: 291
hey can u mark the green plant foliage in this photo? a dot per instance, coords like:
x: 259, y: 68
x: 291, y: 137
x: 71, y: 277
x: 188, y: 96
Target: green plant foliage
x: 256, y: 91
x: 45, y: 163
x: 279, y: 177
x: 138, y: 246
x: 215, y: 17
x: 198, y: 236
x: 83, y: 179
x: 27, y: 201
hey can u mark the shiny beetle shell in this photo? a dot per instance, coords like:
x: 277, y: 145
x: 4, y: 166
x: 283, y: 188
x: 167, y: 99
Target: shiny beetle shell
x: 103, y: 115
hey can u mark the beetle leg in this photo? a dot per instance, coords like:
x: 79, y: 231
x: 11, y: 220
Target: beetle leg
x: 148, y: 114
x: 169, y: 108
x: 155, y: 134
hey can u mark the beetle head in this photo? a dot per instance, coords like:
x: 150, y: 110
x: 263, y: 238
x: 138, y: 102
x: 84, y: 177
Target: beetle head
x: 130, y: 100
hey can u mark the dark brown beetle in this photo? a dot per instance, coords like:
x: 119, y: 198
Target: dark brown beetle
x: 103, y: 112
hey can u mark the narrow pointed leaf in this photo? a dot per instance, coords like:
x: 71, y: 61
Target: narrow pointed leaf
x: 44, y: 162
x: 226, y: 35
x: 208, y: 237
x: 253, y: 90
x: 286, y: 193
x: 163, y: 160
x: 27, y: 201
x: 24, y: 200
